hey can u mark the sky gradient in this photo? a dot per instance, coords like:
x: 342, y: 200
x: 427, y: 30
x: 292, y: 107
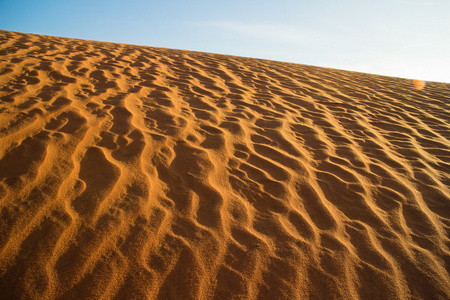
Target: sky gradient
x: 403, y: 38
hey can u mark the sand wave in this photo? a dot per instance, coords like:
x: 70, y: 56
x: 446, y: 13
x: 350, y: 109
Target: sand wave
x: 130, y: 172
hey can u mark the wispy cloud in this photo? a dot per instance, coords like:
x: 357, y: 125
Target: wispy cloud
x: 269, y: 32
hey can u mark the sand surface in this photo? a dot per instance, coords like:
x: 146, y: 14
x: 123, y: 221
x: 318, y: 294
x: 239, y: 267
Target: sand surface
x: 131, y: 172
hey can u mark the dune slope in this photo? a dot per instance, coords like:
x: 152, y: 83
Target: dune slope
x: 131, y: 172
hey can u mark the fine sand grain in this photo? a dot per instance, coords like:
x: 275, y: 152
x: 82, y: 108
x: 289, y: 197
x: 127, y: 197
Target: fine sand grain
x: 131, y: 172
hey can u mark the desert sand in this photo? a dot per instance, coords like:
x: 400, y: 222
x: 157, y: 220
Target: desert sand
x: 132, y: 172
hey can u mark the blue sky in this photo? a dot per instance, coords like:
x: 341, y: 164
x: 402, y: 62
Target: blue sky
x: 404, y: 38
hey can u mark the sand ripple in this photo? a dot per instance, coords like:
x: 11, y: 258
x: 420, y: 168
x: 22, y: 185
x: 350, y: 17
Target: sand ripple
x: 130, y: 172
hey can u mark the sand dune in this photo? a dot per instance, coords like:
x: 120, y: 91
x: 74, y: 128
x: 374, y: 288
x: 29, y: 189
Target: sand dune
x: 131, y: 172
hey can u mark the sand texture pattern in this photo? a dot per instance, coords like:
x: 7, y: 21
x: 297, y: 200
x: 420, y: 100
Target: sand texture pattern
x: 132, y: 172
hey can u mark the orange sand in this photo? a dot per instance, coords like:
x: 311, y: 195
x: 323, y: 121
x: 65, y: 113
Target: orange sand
x: 130, y: 172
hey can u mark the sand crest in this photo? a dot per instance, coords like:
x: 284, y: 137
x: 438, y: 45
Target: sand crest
x: 131, y: 172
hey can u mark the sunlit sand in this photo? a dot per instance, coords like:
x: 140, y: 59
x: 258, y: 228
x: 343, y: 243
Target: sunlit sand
x: 131, y: 172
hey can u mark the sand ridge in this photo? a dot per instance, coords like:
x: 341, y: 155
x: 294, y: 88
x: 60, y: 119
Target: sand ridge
x: 131, y: 172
